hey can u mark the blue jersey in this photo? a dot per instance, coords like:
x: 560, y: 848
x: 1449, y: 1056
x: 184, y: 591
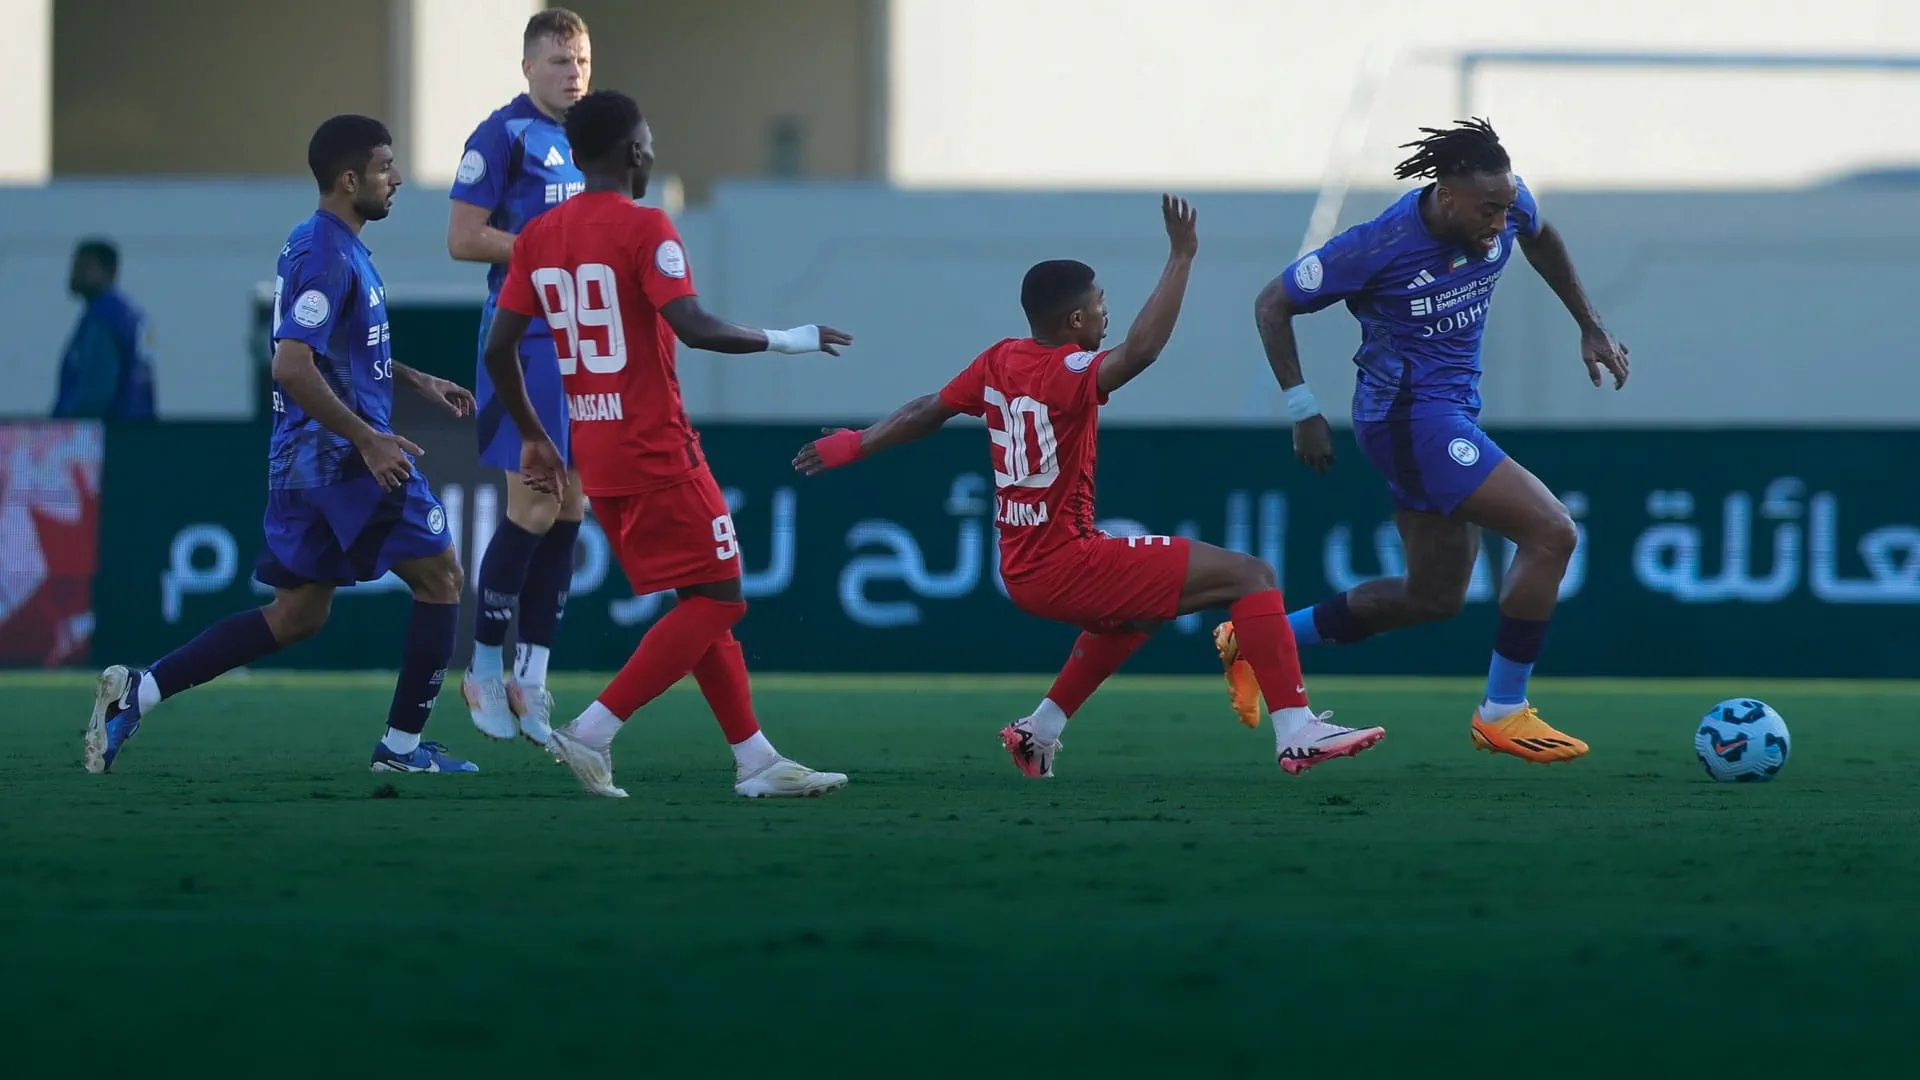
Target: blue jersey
x: 328, y: 297
x: 517, y: 166
x: 1422, y: 306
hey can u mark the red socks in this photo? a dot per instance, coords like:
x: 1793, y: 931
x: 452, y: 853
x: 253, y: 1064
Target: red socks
x: 1267, y: 645
x: 670, y: 650
x: 1095, y: 658
x: 722, y: 674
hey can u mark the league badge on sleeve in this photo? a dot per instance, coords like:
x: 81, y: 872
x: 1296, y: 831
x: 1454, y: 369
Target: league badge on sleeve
x: 311, y: 309
x: 1309, y: 275
x: 472, y: 167
x: 671, y: 259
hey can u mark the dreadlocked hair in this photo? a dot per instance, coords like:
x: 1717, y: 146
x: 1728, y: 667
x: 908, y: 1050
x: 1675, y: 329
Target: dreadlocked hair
x: 1470, y: 146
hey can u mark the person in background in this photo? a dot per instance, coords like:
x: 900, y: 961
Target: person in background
x: 107, y: 370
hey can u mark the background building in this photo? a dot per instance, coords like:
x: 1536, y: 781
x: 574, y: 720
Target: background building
x: 1731, y: 177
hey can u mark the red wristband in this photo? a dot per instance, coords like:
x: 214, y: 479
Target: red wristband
x: 840, y: 448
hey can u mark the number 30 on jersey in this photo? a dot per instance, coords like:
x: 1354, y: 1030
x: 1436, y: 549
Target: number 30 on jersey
x: 1029, y: 452
x: 583, y: 308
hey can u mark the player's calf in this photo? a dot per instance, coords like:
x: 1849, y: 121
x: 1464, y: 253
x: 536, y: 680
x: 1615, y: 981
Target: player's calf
x: 1516, y: 504
x: 437, y: 583
x: 1261, y: 635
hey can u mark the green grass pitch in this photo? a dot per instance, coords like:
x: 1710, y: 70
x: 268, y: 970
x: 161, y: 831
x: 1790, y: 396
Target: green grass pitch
x: 237, y: 901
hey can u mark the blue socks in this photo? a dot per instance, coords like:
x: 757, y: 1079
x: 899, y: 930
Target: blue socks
x: 525, y: 572
x: 503, y: 572
x: 423, y: 666
x: 235, y: 641
x: 1516, y: 646
x: 1329, y: 622
x: 543, y: 600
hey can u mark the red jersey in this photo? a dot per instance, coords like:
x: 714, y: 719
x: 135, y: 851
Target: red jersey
x: 598, y: 269
x: 1042, y: 407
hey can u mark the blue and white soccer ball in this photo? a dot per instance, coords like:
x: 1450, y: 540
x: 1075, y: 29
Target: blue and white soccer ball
x: 1742, y: 741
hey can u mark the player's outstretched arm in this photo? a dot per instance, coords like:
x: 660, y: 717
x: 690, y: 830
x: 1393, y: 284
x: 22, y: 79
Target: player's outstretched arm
x: 1273, y: 313
x: 698, y: 328
x: 299, y: 378
x: 917, y: 419
x: 457, y: 399
x: 1153, y: 327
x: 1547, y: 251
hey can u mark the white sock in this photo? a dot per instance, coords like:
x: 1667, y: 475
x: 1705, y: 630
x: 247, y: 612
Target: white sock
x: 1048, y: 721
x: 486, y: 661
x: 149, y: 693
x: 402, y: 742
x: 530, y: 665
x: 1288, y: 722
x: 754, y: 753
x: 1494, y: 712
x: 597, y: 726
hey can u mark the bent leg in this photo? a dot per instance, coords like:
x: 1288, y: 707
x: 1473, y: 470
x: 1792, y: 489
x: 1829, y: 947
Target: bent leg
x: 1514, y: 503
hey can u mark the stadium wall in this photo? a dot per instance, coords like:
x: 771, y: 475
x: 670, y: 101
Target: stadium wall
x: 1758, y: 552
x: 1741, y: 309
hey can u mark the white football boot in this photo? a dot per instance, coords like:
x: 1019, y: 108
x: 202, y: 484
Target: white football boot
x: 591, y: 765
x: 488, y: 705
x: 784, y: 779
x: 534, y: 706
x: 1317, y: 741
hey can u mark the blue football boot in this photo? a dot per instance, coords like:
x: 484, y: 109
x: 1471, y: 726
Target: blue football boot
x: 427, y: 757
x: 116, y: 716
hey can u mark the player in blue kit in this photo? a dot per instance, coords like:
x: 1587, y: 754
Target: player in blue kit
x: 1420, y: 279
x: 344, y: 502
x: 517, y: 166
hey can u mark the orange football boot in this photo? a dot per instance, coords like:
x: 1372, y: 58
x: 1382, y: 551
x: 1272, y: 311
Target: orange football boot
x: 1242, y: 688
x: 1527, y: 737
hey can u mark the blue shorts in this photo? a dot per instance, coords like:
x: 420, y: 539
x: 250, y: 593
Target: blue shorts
x: 1432, y: 463
x: 348, y: 532
x: 499, y: 439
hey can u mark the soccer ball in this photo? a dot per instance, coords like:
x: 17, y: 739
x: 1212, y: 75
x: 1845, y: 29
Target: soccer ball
x: 1742, y: 741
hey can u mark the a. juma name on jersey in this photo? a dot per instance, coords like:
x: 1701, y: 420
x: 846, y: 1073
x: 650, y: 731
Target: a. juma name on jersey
x: 1010, y: 512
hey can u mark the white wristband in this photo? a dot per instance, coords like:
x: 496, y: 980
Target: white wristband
x: 800, y: 339
x: 1300, y: 403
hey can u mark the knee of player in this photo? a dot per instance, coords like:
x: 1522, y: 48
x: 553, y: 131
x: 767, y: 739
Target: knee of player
x: 444, y: 584
x: 1556, y: 534
x: 295, y: 620
x: 535, y: 517
x: 573, y: 503
x: 1254, y: 575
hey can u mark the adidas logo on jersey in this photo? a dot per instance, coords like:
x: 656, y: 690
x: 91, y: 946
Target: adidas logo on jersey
x: 554, y: 158
x: 1422, y: 280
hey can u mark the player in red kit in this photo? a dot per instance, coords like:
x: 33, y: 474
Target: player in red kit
x: 1041, y: 399
x: 611, y: 279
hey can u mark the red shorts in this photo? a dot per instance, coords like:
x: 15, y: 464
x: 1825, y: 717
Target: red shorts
x: 673, y: 537
x: 1103, y: 584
